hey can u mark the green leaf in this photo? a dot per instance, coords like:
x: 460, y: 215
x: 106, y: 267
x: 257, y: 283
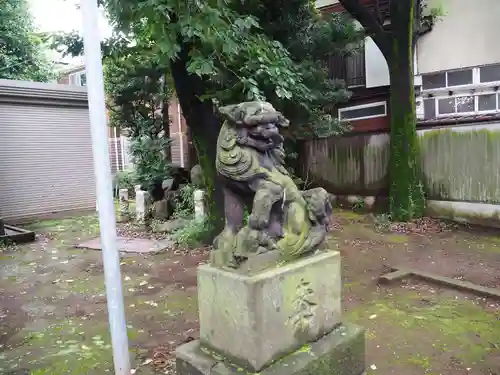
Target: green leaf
x: 23, y: 52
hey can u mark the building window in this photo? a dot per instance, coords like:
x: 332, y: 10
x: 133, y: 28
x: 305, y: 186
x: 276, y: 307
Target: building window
x: 458, y: 104
x: 429, y: 108
x: 466, y: 91
x: 487, y: 102
x: 459, y: 78
x: 78, y: 79
x: 447, y: 79
x: 490, y: 73
x: 464, y: 77
x: 461, y: 104
x: 433, y: 81
x: 364, y: 111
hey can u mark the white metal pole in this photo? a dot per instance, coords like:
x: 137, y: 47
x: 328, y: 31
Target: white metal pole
x: 102, y: 169
x: 181, y: 138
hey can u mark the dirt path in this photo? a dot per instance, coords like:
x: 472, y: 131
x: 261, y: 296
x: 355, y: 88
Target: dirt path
x: 416, y: 328
x: 53, y: 317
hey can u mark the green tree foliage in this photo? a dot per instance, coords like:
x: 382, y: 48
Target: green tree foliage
x: 218, y: 50
x: 310, y: 38
x: 138, y: 88
x: 409, y: 19
x: 22, y: 53
x: 222, y: 51
x: 137, y: 95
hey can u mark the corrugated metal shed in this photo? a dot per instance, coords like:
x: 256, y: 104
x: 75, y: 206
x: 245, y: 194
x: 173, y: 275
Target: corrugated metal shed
x: 46, y: 164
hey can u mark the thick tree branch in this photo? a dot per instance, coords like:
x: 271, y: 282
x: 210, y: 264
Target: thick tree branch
x: 361, y: 13
x: 372, y: 24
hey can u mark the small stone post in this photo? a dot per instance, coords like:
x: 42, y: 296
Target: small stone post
x: 124, y: 205
x: 142, y: 206
x: 199, y: 204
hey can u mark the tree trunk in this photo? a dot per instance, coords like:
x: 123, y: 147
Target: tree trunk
x: 204, y: 126
x: 406, y: 197
x: 2, y: 228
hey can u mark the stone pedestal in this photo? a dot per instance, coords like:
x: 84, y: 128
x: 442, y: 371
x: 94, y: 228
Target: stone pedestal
x: 285, y: 320
x: 340, y: 352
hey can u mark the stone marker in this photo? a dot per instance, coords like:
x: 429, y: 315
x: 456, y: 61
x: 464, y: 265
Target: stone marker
x: 161, y: 210
x: 142, y: 206
x: 167, y: 184
x: 124, y: 205
x: 270, y: 301
x: 199, y: 204
x: 170, y: 225
x: 197, y: 176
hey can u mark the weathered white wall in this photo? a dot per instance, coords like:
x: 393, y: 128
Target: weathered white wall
x: 467, y: 35
x: 465, y: 212
x: 458, y: 163
x: 324, y: 3
x: 376, y: 68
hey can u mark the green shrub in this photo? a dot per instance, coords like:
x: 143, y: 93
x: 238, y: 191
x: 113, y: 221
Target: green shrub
x: 151, y: 167
x: 184, y: 202
x: 125, y: 179
x: 193, y: 234
x: 382, y: 223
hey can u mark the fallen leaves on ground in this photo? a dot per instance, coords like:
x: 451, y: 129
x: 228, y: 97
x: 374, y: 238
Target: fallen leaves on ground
x: 425, y: 225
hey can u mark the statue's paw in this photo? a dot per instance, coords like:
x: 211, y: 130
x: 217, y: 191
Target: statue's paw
x: 257, y: 222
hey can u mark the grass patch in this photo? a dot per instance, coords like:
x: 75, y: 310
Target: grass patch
x: 349, y: 215
x: 88, y: 224
x: 472, y: 331
x: 395, y: 238
x: 68, y: 347
x: 192, y: 234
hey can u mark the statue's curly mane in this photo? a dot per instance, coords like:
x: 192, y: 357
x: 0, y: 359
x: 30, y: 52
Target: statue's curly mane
x: 236, y: 159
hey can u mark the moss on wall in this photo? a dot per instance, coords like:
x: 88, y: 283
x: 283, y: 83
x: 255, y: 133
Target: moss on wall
x: 343, y: 164
x: 461, y: 165
x: 455, y: 165
x: 376, y: 160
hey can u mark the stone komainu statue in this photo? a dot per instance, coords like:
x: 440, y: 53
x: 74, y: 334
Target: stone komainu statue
x: 250, y: 161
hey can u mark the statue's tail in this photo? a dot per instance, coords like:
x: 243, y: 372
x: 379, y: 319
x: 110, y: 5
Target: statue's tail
x: 296, y: 229
x: 306, y: 225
